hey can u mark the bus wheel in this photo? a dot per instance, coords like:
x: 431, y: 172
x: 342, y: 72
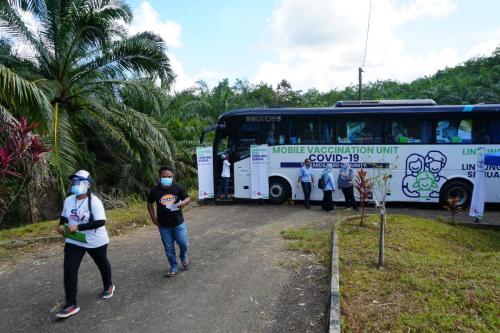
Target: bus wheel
x: 279, y: 190
x: 459, y: 189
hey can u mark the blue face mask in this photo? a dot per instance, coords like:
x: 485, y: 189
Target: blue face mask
x: 166, y: 181
x: 78, y: 189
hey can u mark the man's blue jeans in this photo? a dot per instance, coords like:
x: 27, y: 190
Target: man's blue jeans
x: 170, y: 236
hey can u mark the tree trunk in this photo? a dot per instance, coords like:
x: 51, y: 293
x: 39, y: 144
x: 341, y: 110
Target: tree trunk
x: 381, y: 240
x: 362, y: 208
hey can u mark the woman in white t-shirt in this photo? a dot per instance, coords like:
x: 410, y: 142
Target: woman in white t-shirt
x: 225, y: 175
x: 82, y: 224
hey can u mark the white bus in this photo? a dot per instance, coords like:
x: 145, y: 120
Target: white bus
x: 430, y: 149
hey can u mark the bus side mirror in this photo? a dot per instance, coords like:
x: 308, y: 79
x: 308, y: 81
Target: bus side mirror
x: 210, y: 128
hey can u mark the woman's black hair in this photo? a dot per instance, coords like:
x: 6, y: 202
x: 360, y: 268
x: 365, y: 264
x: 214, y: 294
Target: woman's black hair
x: 166, y: 168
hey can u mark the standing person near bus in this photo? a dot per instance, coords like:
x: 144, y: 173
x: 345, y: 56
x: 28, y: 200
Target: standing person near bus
x: 306, y: 179
x: 345, y: 183
x: 225, y: 175
x: 328, y: 189
x: 170, y: 199
x: 82, y: 223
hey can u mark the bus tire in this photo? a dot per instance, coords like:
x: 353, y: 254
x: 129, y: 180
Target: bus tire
x: 279, y: 190
x: 459, y: 188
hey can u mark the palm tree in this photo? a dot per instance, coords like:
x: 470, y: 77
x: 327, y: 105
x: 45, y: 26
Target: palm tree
x: 82, y: 59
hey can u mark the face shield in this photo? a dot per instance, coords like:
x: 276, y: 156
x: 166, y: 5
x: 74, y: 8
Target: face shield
x: 78, y: 182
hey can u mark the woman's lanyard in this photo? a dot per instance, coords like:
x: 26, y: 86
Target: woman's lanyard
x: 77, y: 209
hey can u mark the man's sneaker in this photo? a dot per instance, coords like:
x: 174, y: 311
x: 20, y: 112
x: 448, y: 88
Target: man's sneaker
x: 171, y: 273
x: 108, y: 292
x: 67, y: 311
x: 185, y: 264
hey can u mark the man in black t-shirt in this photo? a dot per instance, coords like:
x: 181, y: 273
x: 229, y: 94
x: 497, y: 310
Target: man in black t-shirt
x: 170, y: 198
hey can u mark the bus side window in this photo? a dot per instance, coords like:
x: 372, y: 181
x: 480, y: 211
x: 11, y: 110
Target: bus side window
x: 454, y: 131
x: 426, y: 131
x: 303, y: 130
x: 494, y: 131
x: 367, y: 131
x: 480, y: 131
x: 272, y: 133
x: 327, y: 131
x: 341, y: 132
x: 408, y: 131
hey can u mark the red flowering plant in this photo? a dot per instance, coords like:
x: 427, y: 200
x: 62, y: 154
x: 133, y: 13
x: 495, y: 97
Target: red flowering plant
x: 364, y: 186
x: 20, y: 150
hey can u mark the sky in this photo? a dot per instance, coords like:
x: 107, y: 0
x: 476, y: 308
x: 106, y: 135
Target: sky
x: 317, y: 43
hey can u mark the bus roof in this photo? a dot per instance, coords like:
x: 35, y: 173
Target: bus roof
x: 385, y: 102
x: 344, y: 110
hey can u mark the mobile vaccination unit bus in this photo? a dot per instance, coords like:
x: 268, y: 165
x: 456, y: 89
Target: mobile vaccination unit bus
x: 430, y: 149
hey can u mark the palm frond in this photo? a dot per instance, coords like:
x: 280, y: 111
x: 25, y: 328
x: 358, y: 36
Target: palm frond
x: 62, y: 156
x: 13, y: 25
x: 142, y: 54
x: 101, y: 120
x: 5, y: 116
x: 33, y: 6
x: 24, y: 96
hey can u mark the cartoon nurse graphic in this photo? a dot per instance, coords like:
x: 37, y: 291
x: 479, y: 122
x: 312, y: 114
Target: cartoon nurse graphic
x: 414, y: 166
x: 423, y: 178
x: 425, y: 184
x: 434, y: 163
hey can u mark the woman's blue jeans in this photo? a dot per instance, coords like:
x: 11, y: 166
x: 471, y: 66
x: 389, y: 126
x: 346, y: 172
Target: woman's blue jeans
x: 170, y: 236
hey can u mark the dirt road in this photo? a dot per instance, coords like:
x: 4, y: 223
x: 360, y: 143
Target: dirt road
x: 242, y: 280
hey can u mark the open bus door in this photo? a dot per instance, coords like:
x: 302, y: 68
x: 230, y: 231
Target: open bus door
x: 221, y: 145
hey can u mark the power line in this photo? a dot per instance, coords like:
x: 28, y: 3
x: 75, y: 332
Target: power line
x: 360, y: 69
x: 367, y: 33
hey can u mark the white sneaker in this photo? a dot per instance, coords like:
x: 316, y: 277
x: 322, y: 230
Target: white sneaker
x: 108, y: 293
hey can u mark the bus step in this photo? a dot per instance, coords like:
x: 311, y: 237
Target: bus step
x: 223, y: 202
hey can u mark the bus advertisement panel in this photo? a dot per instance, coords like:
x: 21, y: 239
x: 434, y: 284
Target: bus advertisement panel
x: 418, y: 172
x: 259, y: 171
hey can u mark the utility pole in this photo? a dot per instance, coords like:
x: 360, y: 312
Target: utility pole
x: 360, y: 95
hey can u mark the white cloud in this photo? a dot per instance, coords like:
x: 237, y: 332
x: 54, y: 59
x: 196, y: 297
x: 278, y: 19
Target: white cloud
x: 321, y: 43
x: 486, y: 46
x: 182, y: 80
x: 210, y: 77
x: 146, y: 18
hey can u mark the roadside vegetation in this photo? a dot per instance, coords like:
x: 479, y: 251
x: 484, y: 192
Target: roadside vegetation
x: 438, y: 277
x: 98, y: 98
x: 118, y: 221
x: 316, y: 242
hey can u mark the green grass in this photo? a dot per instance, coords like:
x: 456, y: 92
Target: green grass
x: 118, y: 220
x: 438, y: 277
x: 317, y: 242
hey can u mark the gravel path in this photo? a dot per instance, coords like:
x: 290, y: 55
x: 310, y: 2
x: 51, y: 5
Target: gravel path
x: 241, y: 280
